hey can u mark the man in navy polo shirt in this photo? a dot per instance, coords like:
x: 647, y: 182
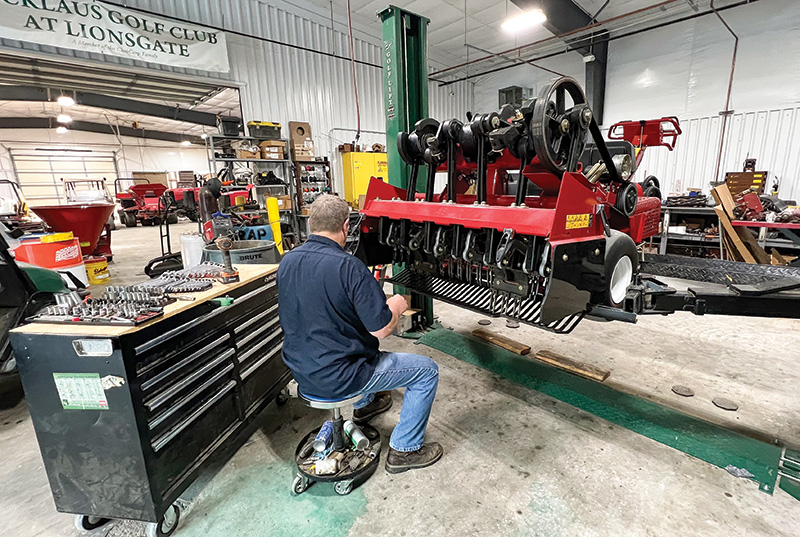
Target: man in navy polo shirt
x: 332, y: 313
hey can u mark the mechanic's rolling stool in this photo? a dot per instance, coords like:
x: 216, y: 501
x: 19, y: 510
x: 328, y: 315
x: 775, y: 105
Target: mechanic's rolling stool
x: 362, y: 463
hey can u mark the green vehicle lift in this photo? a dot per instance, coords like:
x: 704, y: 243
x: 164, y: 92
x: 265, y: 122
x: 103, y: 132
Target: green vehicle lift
x: 405, y: 97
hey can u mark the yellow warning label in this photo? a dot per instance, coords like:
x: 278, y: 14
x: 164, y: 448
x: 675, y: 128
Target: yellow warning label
x: 757, y: 181
x: 578, y: 221
x: 758, y: 175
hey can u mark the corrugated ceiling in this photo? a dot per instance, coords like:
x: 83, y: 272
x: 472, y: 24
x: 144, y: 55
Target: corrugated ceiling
x: 106, y: 80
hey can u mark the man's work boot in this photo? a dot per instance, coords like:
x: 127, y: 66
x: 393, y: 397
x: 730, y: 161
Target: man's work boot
x: 400, y: 461
x: 380, y: 404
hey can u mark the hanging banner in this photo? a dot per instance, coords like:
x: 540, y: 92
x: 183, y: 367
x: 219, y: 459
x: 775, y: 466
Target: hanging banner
x: 93, y: 26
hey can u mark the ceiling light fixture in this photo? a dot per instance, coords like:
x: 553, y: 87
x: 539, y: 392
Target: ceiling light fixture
x: 186, y: 142
x: 526, y: 20
x: 61, y: 129
x: 64, y: 118
x: 65, y: 100
x: 204, y: 136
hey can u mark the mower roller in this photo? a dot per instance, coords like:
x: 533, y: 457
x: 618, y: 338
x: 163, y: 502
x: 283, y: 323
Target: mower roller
x: 548, y: 259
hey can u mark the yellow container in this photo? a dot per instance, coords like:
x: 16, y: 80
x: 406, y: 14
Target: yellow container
x: 358, y: 168
x: 57, y: 237
x: 97, y: 270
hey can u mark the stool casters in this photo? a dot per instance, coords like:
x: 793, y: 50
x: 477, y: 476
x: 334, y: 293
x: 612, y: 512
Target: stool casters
x: 300, y: 484
x: 343, y: 488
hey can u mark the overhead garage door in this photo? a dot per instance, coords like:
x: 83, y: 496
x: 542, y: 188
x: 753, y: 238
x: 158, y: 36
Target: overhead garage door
x: 40, y: 172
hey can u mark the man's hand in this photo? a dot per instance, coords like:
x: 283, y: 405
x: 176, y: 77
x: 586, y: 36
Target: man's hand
x: 397, y: 304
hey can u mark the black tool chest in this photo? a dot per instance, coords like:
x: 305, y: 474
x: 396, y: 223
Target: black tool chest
x: 126, y: 417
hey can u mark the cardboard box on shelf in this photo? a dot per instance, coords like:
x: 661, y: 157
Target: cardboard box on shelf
x: 272, y: 149
x: 241, y: 153
x: 302, y: 154
x: 280, y: 144
x: 301, y: 140
x: 284, y: 202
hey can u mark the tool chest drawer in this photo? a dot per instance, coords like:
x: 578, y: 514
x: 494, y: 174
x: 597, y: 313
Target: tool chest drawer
x: 127, y: 417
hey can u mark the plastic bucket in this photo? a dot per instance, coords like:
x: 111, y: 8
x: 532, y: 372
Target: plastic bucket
x: 62, y: 256
x: 245, y: 253
x: 192, y: 245
x: 97, y: 270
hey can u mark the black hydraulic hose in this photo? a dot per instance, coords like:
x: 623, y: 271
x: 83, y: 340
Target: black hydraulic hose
x: 431, y: 181
x: 522, y: 182
x: 412, y: 183
x: 481, y: 169
x: 451, y: 169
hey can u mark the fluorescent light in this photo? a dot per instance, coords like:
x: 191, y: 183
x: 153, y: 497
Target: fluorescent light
x: 526, y: 20
x: 61, y: 129
x: 64, y: 118
x: 186, y: 142
x: 65, y: 100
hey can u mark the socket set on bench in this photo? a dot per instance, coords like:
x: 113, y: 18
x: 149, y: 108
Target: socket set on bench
x: 117, y: 305
x: 189, y: 280
x: 130, y: 305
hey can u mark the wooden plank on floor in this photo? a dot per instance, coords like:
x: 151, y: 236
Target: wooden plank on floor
x: 572, y: 366
x: 501, y: 341
x: 752, y: 244
x: 778, y: 259
x: 722, y: 195
x: 739, y: 247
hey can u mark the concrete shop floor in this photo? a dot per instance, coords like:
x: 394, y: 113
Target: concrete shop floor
x: 516, y: 462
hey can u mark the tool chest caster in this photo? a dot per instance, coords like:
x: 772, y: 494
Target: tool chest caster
x: 167, y: 525
x: 88, y: 523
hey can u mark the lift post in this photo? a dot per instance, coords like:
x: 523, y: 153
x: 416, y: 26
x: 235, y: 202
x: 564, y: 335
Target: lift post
x: 405, y: 97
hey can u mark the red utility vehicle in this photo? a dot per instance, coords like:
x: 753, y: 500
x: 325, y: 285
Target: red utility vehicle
x: 139, y: 203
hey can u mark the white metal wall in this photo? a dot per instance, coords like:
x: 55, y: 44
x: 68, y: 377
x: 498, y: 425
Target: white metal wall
x: 771, y: 136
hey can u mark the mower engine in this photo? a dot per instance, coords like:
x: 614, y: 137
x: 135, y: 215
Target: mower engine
x: 484, y: 242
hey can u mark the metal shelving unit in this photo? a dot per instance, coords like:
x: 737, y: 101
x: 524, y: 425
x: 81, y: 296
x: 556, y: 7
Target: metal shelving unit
x: 217, y: 143
x: 711, y: 242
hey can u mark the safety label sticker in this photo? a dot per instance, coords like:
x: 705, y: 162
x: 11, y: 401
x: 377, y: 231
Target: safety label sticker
x: 578, y: 221
x: 81, y: 391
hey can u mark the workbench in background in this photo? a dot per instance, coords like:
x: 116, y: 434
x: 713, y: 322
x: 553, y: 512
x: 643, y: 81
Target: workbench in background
x: 127, y: 416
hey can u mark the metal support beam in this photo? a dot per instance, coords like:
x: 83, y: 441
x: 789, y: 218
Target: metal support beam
x: 596, y: 78
x: 565, y: 16
x: 87, y: 126
x: 38, y: 94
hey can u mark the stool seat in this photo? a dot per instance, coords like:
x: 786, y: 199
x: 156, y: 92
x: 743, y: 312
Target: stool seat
x: 326, y: 404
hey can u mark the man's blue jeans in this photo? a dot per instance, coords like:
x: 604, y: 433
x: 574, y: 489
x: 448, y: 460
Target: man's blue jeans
x: 419, y: 375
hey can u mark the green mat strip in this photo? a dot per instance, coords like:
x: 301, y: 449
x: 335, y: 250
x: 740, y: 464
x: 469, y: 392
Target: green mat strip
x: 706, y: 441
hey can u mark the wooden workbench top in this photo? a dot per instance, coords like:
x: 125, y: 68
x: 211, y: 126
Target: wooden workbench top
x: 247, y: 273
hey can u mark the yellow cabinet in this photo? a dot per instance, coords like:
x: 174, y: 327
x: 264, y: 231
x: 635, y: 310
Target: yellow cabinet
x: 358, y: 168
